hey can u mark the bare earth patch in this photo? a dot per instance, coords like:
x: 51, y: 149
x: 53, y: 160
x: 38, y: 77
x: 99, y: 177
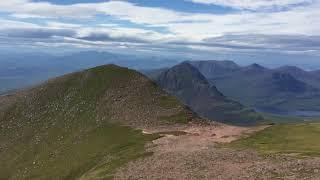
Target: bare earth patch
x: 194, y: 155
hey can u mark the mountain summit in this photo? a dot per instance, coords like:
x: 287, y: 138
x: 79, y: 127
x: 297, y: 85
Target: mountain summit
x: 191, y: 87
x: 213, y: 68
x: 72, y: 126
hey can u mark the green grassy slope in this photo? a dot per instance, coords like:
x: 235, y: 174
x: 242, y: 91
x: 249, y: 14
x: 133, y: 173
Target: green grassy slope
x: 302, y: 139
x: 72, y: 126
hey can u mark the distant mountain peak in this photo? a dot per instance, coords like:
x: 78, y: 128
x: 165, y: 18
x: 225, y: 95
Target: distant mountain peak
x: 285, y: 82
x: 192, y: 88
x: 221, y: 63
x: 287, y: 88
x: 256, y: 66
x: 181, y: 75
x: 214, y: 68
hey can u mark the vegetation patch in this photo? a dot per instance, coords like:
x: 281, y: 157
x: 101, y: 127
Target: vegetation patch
x: 302, y: 139
x: 180, y: 117
x: 285, y: 119
x: 168, y: 102
x: 103, y: 149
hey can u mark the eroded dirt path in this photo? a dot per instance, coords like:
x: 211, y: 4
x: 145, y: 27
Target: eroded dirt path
x: 194, y: 155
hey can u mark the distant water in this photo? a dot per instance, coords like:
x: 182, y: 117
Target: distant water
x: 289, y: 113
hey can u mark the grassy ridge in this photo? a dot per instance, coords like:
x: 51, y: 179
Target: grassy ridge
x: 103, y: 149
x: 286, y: 119
x: 302, y: 139
x: 70, y: 127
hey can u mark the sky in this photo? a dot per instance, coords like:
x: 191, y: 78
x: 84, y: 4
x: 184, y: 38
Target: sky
x: 190, y: 27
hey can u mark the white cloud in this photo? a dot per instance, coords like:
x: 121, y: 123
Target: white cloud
x: 122, y: 33
x: 26, y: 9
x: 190, y: 28
x: 196, y: 26
x: 253, y: 4
x: 6, y: 24
x: 54, y: 24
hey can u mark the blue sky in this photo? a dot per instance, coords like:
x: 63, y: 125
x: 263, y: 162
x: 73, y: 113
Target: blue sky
x: 179, y: 5
x: 201, y: 27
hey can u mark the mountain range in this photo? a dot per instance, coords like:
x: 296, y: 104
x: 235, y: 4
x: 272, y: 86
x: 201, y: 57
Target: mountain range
x: 100, y: 122
x: 286, y: 88
x: 186, y: 83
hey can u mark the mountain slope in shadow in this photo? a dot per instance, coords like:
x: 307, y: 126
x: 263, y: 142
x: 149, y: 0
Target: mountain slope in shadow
x: 192, y: 88
x: 286, y: 88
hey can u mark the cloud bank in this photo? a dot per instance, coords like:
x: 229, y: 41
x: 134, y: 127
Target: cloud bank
x: 254, y: 4
x: 257, y: 25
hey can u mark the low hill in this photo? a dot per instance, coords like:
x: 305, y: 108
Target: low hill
x: 192, y: 88
x: 72, y: 126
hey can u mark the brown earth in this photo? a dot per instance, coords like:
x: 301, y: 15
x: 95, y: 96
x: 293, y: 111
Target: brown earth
x: 191, y: 152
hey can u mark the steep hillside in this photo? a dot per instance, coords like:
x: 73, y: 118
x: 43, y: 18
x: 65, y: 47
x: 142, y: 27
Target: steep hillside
x: 191, y: 87
x: 71, y: 127
x: 284, y: 82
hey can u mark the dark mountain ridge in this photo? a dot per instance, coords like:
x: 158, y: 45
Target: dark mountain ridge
x: 286, y: 88
x: 285, y: 82
x: 214, y: 68
x: 192, y: 88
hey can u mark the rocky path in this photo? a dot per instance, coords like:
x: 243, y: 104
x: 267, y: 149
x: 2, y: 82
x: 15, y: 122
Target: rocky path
x: 195, y: 155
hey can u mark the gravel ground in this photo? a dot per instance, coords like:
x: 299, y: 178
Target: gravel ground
x: 195, y: 155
